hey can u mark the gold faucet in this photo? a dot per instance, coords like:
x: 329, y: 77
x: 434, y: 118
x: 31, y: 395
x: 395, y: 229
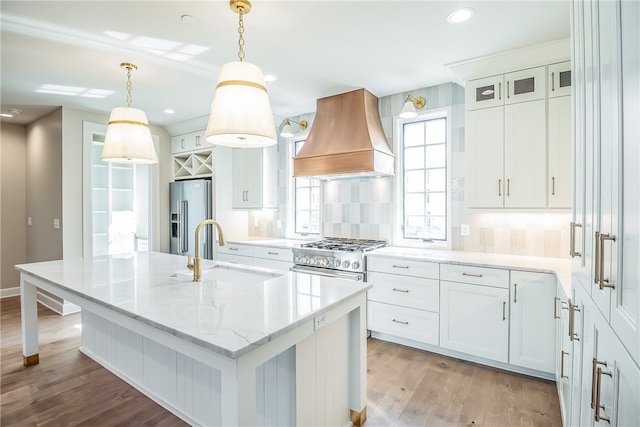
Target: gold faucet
x: 194, y: 264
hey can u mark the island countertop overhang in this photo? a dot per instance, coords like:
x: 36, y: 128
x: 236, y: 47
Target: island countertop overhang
x: 225, y: 316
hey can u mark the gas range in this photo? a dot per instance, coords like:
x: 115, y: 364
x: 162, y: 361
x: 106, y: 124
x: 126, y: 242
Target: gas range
x: 335, y: 256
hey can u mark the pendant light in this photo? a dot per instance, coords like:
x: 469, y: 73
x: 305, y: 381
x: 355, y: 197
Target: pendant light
x: 128, y: 139
x: 240, y: 112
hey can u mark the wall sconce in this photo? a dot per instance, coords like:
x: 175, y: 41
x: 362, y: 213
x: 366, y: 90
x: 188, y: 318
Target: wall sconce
x: 128, y: 138
x: 240, y: 112
x: 287, y: 131
x: 410, y: 106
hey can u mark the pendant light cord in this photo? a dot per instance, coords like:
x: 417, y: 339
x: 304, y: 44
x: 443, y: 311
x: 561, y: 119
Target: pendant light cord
x: 240, y: 32
x: 128, y: 87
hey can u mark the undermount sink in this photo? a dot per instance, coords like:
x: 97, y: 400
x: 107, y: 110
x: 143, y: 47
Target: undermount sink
x: 228, y: 274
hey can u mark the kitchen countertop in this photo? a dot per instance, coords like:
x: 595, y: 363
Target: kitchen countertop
x: 273, y: 243
x: 232, y: 311
x: 559, y: 266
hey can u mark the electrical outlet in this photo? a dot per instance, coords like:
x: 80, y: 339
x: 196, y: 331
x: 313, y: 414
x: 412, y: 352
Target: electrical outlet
x: 29, y: 222
x: 56, y: 223
x: 320, y: 321
x: 464, y: 229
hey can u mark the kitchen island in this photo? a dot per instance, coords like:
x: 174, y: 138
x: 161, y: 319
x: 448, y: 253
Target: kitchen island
x: 246, y: 346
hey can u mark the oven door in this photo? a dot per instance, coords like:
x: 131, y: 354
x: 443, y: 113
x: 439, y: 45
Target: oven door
x: 328, y: 272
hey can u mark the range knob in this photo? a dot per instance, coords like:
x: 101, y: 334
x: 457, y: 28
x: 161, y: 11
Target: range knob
x: 338, y: 263
x: 355, y: 265
x: 323, y: 262
x: 346, y: 264
x: 312, y: 261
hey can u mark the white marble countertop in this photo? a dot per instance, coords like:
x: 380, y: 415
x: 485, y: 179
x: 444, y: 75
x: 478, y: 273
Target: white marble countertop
x: 559, y: 266
x: 233, y: 310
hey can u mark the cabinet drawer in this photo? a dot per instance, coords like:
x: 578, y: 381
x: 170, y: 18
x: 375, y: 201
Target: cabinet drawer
x: 234, y: 259
x: 415, y: 292
x: 417, y: 325
x: 272, y: 264
x: 232, y: 249
x: 405, y: 267
x: 278, y: 254
x: 476, y: 275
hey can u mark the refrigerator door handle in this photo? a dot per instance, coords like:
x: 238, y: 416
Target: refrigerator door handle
x: 184, y: 240
x: 179, y: 226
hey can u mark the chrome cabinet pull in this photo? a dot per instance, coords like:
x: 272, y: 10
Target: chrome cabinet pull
x: 272, y: 253
x: 400, y: 321
x: 553, y: 185
x: 508, y: 93
x: 182, y: 142
x: 562, y: 353
x: 233, y: 249
x: 406, y: 291
x: 595, y: 393
x: 504, y: 310
x: 599, y: 406
x: 572, y: 239
x: 500, y: 90
x: 515, y: 293
x: 400, y: 266
x: 499, y: 188
x: 197, y: 140
x: 555, y: 307
x: 472, y: 274
x: 508, y: 187
x: 604, y: 283
x: 596, y: 263
x: 553, y: 82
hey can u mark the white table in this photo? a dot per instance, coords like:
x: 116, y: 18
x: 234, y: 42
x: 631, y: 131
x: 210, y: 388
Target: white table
x: 246, y: 346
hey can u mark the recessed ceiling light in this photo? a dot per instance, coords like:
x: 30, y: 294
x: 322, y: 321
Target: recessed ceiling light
x: 187, y: 19
x: 270, y: 78
x: 460, y: 15
x: 169, y: 111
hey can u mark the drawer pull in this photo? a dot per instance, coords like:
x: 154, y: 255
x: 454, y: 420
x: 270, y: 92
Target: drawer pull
x: 233, y: 249
x: 272, y: 253
x: 562, y: 354
x: 504, y: 310
x: 472, y: 274
x: 406, y: 291
x: 400, y: 266
x: 400, y: 321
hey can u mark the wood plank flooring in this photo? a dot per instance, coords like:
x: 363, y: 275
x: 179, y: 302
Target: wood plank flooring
x: 406, y: 387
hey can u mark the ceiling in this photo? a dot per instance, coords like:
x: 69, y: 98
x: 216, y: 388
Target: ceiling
x: 314, y: 48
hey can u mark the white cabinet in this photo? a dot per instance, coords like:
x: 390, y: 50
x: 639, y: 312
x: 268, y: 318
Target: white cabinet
x: 531, y: 343
x: 559, y: 79
x: 506, y: 155
x: 254, y: 178
x: 564, y: 355
x: 474, y: 319
x: 518, y: 86
x: 236, y: 254
x: 188, y: 142
x: 559, y: 178
x: 404, y: 301
x: 273, y: 257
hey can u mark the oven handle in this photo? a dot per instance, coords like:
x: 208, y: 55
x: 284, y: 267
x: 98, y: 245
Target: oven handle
x: 327, y: 272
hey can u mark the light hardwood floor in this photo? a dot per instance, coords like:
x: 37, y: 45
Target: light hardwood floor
x: 406, y: 387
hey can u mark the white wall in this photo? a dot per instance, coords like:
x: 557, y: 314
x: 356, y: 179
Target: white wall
x: 13, y: 203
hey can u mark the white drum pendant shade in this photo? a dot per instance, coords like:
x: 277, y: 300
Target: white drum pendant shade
x: 128, y: 138
x: 240, y: 112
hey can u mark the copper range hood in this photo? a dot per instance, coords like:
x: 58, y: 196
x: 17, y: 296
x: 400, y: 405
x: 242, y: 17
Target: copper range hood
x: 346, y: 139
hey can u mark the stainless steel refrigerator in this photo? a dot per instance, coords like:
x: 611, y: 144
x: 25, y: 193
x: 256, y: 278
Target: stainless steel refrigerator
x: 190, y: 204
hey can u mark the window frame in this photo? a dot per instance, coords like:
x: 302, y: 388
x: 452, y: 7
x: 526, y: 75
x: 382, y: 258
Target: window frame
x: 291, y: 215
x: 398, y: 234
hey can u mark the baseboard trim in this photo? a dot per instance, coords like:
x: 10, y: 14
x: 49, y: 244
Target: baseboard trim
x: 61, y: 307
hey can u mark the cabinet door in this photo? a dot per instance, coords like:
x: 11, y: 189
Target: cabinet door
x: 485, y: 158
x: 559, y: 180
x: 559, y: 79
x: 474, y: 320
x: 484, y: 93
x: 576, y: 338
x: 532, y: 343
x: 525, y: 155
x: 525, y: 85
x: 187, y: 142
x: 625, y: 298
x: 247, y: 178
x: 564, y: 355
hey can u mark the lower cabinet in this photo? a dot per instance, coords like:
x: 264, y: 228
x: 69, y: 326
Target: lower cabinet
x: 474, y: 319
x: 532, y: 336
x: 275, y: 258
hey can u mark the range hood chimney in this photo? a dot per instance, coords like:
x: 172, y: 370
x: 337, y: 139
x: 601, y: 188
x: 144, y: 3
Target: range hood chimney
x: 346, y: 139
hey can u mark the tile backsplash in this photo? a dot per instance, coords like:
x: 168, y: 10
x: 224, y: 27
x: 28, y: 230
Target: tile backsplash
x: 365, y: 207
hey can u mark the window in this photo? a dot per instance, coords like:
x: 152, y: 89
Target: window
x: 306, y: 196
x: 424, y: 181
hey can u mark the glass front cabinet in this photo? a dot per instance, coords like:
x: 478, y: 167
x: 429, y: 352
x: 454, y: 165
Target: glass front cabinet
x: 503, y: 89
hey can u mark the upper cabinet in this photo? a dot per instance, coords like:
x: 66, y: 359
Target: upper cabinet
x: 254, y: 182
x: 517, y: 144
x: 192, y: 158
x: 559, y: 79
x: 510, y: 88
